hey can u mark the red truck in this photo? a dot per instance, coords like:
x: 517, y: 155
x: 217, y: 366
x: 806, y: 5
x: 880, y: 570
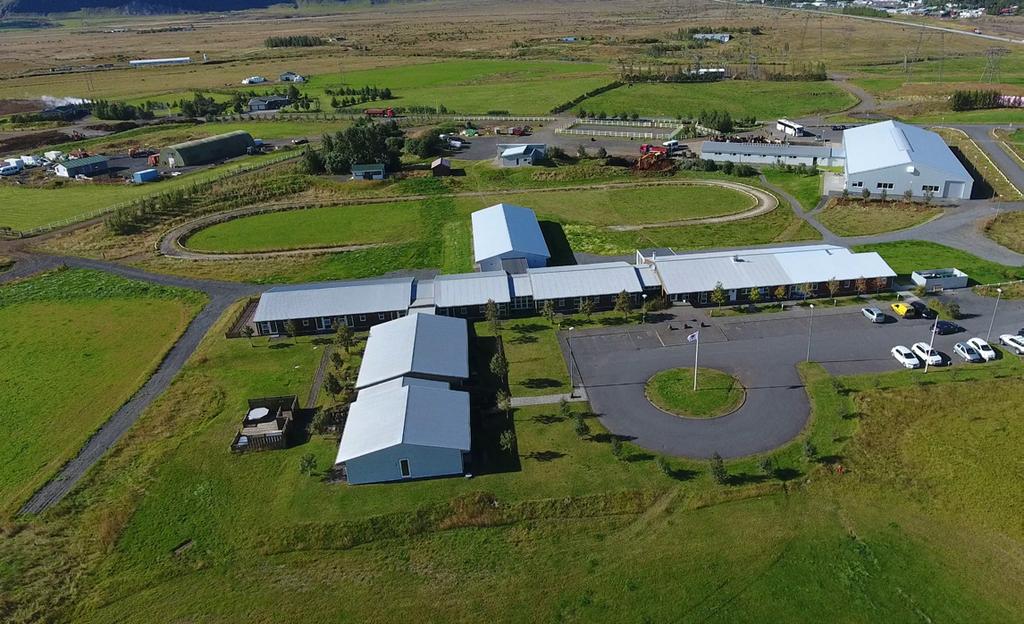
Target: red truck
x: 648, y: 148
x: 380, y: 112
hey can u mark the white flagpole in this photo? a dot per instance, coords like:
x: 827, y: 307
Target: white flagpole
x: 696, y: 354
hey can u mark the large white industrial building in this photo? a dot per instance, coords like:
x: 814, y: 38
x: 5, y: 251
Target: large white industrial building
x: 895, y: 157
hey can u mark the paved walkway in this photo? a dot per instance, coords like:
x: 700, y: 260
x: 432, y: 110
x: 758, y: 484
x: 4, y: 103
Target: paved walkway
x: 580, y: 395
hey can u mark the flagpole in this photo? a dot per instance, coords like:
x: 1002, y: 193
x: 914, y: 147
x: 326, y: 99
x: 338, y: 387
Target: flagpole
x: 696, y: 354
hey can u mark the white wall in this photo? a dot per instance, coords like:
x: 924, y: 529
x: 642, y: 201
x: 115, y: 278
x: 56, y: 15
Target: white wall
x: 902, y: 179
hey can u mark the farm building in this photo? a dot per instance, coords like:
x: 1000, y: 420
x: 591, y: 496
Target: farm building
x: 88, y: 166
x: 895, y: 157
x: 292, y: 77
x: 267, y: 103
x: 372, y: 171
x: 423, y: 346
x: 441, y: 167
x: 719, y: 37
x: 320, y: 307
x: 772, y: 153
x: 692, y: 277
x: 521, y: 155
x: 506, y: 232
x: 405, y: 429
x: 251, y: 80
x: 265, y: 424
x: 180, y: 60
x: 207, y: 150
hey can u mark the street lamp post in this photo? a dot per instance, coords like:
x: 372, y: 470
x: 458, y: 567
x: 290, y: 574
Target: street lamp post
x: 810, y: 324
x: 999, y: 293
x: 935, y: 328
x: 643, y: 310
x: 572, y: 384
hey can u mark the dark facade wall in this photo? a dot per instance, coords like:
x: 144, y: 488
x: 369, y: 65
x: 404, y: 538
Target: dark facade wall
x: 846, y: 288
x: 308, y: 326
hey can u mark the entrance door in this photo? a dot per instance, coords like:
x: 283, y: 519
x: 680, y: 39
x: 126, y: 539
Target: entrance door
x: 732, y: 295
x: 955, y: 190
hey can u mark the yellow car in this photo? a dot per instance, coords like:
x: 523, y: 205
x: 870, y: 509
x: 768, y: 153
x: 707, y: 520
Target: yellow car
x: 904, y: 310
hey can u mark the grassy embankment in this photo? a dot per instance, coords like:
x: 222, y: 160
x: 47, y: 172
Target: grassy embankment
x: 853, y: 217
x: 994, y: 179
x: 920, y: 520
x: 76, y: 345
x: 1007, y: 229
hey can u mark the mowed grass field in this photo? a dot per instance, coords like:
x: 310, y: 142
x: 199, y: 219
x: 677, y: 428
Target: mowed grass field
x: 403, y: 221
x: 921, y: 521
x: 763, y: 100
x: 905, y: 257
x: 806, y: 189
x: 76, y: 345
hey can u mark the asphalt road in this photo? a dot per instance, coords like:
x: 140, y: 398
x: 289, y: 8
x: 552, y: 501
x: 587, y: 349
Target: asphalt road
x: 762, y: 353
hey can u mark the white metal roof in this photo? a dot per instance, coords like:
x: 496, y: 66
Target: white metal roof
x: 750, y: 268
x: 408, y: 412
x: 471, y: 289
x: 891, y: 144
x: 505, y: 228
x: 648, y: 276
x: 766, y: 149
x: 417, y: 344
x: 334, y: 299
x: 584, y: 280
x: 521, y: 285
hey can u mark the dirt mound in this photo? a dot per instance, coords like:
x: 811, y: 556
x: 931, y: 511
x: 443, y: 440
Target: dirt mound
x: 25, y: 142
x: 9, y: 107
x: 120, y: 126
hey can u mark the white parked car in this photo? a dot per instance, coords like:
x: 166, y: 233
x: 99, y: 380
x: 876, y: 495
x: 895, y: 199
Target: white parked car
x: 905, y: 357
x: 873, y: 314
x: 926, y: 353
x: 9, y: 170
x: 983, y: 348
x: 967, y: 352
x: 1013, y: 342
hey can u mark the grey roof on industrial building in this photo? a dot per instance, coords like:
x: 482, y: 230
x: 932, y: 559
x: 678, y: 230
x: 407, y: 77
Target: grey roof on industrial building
x: 766, y: 149
x: 584, y: 280
x: 759, y: 268
x: 84, y: 163
x: 505, y: 228
x: 405, y: 411
x: 891, y: 143
x: 521, y: 285
x: 467, y: 289
x: 417, y: 344
x: 334, y: 299
x: 367, y: 167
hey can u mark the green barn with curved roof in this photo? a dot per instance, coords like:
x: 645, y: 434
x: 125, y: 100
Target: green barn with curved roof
x: 207, y: 150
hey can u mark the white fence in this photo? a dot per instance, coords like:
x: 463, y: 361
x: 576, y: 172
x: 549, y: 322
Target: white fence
x: 615, y: 134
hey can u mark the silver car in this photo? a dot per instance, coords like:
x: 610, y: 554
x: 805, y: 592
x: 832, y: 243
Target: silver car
x: 873, y: 314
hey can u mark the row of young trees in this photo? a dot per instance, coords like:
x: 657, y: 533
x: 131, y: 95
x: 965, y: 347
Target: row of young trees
x: 294, y: 41
x: 105, y: 109
x: 807, y: 290
x: 962, y: 100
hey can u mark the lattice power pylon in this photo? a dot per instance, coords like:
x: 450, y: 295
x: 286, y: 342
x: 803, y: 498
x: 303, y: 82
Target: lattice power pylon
x: 994, y: 58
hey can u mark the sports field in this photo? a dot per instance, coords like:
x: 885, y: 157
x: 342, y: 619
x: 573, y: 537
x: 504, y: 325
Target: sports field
x: 399, y: 222
x: 763, y: 100
x: 76, y: 345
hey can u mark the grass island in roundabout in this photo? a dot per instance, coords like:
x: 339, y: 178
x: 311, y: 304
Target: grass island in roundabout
x: 718, y: 393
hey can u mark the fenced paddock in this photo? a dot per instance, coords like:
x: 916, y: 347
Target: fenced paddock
x: 652, y: 129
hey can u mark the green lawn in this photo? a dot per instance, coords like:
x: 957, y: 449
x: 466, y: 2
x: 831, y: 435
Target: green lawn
x: 402, y: 221
x: 905, y: 257
x: 536, y: 365
x: 76, y: 345
x: 920, y: 522
x: 859, y: 218
x: 24, y: 208
x: 1007, y: 229
x: 742, y: 98
x: 805, y: 188
x: 718, y: 393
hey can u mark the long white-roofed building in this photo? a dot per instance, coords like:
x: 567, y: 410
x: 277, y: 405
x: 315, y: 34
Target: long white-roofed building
x: 802, y: 272
x: 321, y: 307
x: 896, y: 157
x: 504, y: 233
x: 424, y: 346
x: 405, y: 428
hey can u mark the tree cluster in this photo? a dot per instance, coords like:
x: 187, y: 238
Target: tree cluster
x: 564, y: 106
x: 427, y: 144
x: 718, y: 120
x: 202, y: 106
x: 148, y: 211
x: 295, y: 41
x: 962, y: 100
x: 364, y: 142
x: 104, y: 109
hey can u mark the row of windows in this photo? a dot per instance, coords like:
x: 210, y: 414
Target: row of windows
x: 927, y: 188
x: 885, y: 185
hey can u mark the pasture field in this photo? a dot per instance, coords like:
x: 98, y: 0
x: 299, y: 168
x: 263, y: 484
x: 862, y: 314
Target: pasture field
x: 805, y: 188
x: 905, y: 257
x: 852, y: 217
x: 1007, y: 229
x: 920, y: 521
x: 76, y: 345
x: 763, y: 100
x: 402, y: 221
x: 24, y: 208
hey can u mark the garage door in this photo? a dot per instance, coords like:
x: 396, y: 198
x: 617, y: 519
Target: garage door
x: 954, y: 190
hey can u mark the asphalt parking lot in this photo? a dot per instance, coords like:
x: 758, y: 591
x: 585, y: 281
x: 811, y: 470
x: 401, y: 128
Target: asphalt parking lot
x: 762, y: 352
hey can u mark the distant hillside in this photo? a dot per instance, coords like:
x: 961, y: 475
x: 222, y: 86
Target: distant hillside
x: 135, y: 7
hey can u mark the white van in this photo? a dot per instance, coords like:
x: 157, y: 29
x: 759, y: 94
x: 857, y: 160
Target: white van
x: 9, y: 170
x: 672, y: 145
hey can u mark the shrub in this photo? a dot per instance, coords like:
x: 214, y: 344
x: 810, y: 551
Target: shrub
x: 718, y: 471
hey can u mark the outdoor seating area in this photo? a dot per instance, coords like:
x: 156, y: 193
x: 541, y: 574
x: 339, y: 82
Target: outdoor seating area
x: 266, y: 424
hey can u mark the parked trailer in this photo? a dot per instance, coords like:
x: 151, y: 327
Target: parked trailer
x: 380, y: 112
x: 146, y: 175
